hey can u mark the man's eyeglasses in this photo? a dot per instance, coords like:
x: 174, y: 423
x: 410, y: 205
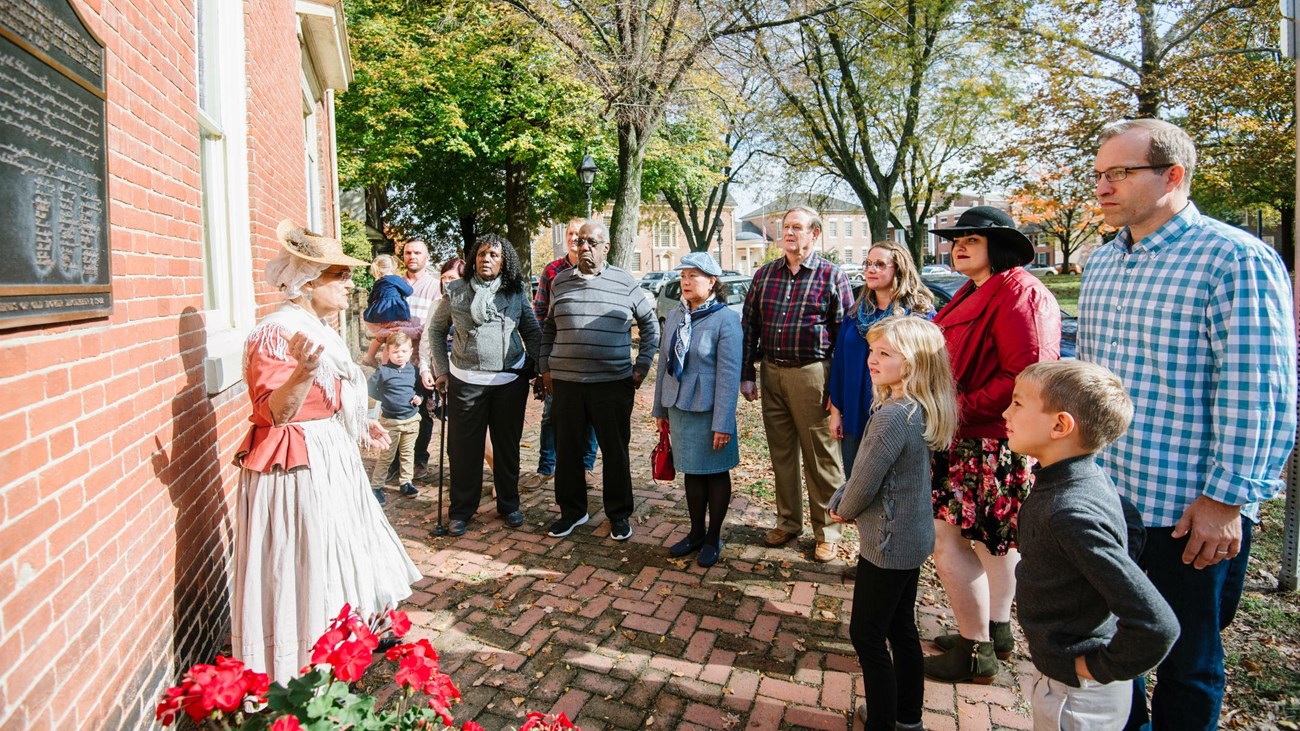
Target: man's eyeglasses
x: 589, y: 242
x: 1114, y: 175
x: 877, y: 264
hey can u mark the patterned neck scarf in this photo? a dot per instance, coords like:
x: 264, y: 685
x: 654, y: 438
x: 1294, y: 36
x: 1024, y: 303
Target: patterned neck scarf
x: 483, y: 307
x: 681, y: 341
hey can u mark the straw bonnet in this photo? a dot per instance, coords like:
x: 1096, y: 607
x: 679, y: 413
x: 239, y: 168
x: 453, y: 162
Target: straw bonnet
x: 313, y: 247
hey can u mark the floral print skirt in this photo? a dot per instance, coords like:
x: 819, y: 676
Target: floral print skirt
x: 978, y: 485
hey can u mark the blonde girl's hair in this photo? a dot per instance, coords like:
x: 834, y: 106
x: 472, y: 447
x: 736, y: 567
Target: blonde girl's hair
x: 382, y: 266
x: 907, y: 290
x: 927, y: 377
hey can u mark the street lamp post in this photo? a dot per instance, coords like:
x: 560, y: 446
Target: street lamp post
x: 587, y: 174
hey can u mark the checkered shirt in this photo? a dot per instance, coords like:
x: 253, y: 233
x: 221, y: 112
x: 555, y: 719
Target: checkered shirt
x: 1197, y: 321
x: 794, y: 317
x: 542, y: 299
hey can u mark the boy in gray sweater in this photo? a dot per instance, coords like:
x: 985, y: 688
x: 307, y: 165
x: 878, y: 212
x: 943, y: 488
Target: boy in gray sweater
x: 1091, y: 617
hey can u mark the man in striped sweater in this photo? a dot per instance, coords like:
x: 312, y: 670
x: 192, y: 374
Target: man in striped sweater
x: 586, y: 366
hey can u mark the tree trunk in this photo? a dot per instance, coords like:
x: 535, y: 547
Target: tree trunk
x: 1150, y: 94
x: 468, y: 231
x: 517, y: 205
x: 1286, y: 236
x: 627, y: 198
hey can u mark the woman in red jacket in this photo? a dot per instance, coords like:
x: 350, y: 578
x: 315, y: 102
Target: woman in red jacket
x: 998, y: 323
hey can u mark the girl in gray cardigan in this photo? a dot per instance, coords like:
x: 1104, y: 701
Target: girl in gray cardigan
x: 915, y: 411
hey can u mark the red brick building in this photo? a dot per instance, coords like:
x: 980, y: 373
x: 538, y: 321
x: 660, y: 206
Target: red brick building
x: 117, y: 433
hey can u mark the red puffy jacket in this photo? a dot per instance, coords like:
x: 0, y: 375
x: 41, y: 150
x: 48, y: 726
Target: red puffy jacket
x: 993, y: 332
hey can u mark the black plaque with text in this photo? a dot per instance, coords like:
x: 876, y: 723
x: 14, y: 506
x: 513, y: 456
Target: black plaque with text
x: 54, y: 256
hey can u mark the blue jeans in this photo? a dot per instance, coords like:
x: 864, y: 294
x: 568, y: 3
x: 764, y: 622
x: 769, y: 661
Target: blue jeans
x: 546, y: 446
x: 849, y: 452
x: 1189, y: 687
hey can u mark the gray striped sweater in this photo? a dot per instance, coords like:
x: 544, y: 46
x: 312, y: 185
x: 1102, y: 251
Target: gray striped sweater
x: 587, y: 335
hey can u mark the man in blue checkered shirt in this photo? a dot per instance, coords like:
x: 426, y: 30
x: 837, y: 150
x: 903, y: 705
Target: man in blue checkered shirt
x: 1195, y: 317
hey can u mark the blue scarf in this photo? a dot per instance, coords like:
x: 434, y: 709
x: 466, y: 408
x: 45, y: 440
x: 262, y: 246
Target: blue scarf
x: 680, y: 345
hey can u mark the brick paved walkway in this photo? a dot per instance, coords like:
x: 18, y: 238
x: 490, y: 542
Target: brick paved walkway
x: 621, y: 636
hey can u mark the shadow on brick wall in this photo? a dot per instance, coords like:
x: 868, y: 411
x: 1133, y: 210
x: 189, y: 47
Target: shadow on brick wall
x: 190, y: 467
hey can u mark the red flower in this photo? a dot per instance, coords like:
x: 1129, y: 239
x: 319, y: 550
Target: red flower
x: 170, y: 706
x: 256, y: 685
x: 326, y: 644
x: 401, y: 624
x: 286, y: 723
x: 414, y: 671
x: 350, y: 660
x: 344, y: 613
x: 364, y: 635
x: 471, y: 726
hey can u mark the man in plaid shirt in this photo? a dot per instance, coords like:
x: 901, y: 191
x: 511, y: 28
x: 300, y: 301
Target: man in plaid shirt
x: 792, y: 314
x: 1195, y: 317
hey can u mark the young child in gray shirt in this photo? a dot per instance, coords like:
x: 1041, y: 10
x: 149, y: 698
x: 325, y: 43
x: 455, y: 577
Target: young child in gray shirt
x: 888, y: 495
x: 1089, y: 613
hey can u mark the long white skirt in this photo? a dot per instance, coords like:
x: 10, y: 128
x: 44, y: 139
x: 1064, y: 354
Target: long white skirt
x: 307, y: 541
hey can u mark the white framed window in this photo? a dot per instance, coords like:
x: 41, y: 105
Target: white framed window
x: 833, y: 229
x: 848, y: 229
x: 311, y: 147
x: 1042, y: 258
x: 848, y: 255
x: 664, y: 235
x: 636, y: 261
x: 223, y: 179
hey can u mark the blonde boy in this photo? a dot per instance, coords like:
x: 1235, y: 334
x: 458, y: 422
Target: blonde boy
x: 1091, y: 617
x: 393, y: 386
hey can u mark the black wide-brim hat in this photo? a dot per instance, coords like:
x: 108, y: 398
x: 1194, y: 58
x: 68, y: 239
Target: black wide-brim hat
x: 995, y: 225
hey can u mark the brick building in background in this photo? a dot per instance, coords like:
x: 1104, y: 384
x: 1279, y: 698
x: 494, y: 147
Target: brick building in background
x: 117, y: 434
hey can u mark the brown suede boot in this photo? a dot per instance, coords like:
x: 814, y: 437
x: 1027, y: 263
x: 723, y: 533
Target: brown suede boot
x: 1004, y: 643
x: 967, y: 661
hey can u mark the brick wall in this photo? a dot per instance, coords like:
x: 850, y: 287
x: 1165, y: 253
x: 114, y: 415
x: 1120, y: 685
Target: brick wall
x: 116, y: 484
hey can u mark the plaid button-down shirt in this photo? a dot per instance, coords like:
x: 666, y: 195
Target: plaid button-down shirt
x: 794, y: 317
x: 542, y: 299
x: 1196, y: 320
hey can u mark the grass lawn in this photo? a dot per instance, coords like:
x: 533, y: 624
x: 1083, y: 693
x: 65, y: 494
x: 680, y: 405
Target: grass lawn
x: 1065, y: 287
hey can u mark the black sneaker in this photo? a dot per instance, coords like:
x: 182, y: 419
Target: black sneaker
x: 408, y: 490
x: 515, y: 519
x: 620, y: 530
x: 564, y: 526
x: 379, y: 495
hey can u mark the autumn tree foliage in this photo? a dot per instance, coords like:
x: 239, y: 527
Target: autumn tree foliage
x: 466, y: 114
x: 638, y: 54
x: 1061, y: 205
x: 889, y: 98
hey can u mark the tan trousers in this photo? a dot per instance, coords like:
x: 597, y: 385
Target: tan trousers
x: 401, y: 437
x: 797, y: 425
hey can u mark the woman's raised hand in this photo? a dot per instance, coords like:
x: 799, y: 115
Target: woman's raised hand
x: 305, y: 352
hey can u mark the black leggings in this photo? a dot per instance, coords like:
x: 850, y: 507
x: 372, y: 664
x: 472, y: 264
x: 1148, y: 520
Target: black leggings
x: 711, y: 493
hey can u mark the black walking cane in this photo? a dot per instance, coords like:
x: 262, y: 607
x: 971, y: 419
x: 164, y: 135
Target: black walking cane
x: 440, y: 530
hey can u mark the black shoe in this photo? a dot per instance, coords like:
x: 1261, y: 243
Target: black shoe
x: 709, y: 554
x: 408, y: 490
x: 392, y: 473
x: 564, y: 526
x: 685, y: 546
x: 620, y: 530
x: 379, y: 495
x: 387, y: 644
x: 456, y: 527
x: 515, y: 519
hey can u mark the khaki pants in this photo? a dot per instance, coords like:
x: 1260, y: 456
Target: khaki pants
x: 797, y: 425
x: 401, y: 436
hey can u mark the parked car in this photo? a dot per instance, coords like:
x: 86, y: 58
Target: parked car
x: 936, y: 269
x: 944, y: 287
x: 652, y: 282
x: 671, y: 296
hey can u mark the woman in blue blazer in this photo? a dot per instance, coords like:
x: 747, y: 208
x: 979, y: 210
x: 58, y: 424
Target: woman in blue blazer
x: 696, y: 385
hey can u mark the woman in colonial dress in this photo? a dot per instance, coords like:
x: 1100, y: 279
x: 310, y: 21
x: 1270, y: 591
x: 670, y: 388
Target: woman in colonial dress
x: 309, y: 535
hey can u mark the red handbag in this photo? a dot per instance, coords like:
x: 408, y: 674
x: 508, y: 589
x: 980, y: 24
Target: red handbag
x: 661, y: 459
